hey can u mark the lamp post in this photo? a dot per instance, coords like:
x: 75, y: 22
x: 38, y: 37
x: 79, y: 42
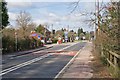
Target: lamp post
x: 16, y: 39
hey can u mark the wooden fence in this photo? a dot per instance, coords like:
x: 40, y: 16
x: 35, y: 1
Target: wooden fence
x: 113, y: 62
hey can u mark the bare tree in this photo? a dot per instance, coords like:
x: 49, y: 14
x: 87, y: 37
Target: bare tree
x: 23, y: 21
x: 99, y: 7
x: 75, y: 5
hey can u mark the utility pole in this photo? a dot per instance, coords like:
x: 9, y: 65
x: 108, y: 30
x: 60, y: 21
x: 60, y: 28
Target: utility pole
x: 99, y: 42
x: 98, y: 15
x: 95, y: 32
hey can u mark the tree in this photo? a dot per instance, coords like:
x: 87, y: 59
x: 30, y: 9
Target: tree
x: 62, y: 29
x: 53, y: 31
x: 8, y: 39
x: 108, y: 34
x: 30, y: 28
x: 23, y: 20
x: 114, y: 25
x: 9, y: 32
x: 80, y: 31
x: 4, y: 14
x: 59, y: 33
x: 71, y: 30
x: 40, y: 29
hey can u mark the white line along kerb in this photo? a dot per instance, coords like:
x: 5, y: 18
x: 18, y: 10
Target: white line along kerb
x: 29, y: 62
x: 63, y: 69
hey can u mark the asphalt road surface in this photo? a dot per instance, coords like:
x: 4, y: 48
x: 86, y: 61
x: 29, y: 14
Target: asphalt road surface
x: 41, y: 64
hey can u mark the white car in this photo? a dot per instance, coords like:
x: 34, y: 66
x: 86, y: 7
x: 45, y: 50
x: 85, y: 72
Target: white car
x: 49, y: 41
x: 42, y: 41
x: 83, y: 37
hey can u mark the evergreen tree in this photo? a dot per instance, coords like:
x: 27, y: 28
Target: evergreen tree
x: 80, y: 31
x: 40, y: 29
x: 3, y: 13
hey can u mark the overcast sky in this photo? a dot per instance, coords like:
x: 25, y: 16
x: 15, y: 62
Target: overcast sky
x: 56, y: 13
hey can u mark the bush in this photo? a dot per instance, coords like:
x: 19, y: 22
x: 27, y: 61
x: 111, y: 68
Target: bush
x: 23, y: 44
x: 55, y: 41
x: 8, y: 44
x: 104, y: 60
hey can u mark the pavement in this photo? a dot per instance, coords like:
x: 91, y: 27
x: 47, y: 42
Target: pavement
x: 27, y: 51
x: 79, y: 66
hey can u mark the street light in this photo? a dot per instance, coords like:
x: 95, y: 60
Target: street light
x: 16, y: 39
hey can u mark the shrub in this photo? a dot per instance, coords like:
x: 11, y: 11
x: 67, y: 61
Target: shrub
x: 8, y: 44
x: 55, y: 40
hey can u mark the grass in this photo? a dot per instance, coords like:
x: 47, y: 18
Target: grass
x: 98, y: 66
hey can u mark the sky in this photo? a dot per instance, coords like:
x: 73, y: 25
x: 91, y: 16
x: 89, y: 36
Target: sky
x: 53, y: 13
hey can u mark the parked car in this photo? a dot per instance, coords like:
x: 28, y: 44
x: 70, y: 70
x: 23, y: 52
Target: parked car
x: 83, y: 38
x: 43, y: 41
x: 49, y: 41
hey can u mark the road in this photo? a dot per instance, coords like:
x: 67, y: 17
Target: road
x: 41, y: 64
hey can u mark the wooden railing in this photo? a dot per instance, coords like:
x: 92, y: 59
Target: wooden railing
x: 113, y: 62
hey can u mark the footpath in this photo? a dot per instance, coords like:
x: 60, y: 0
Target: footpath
x: 79, y: 66
x: 26, y: 52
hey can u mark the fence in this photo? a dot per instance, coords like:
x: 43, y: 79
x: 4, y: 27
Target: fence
x: 113, y: 62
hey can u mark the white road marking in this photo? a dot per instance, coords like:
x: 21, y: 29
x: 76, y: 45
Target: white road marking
x: 63, y: 69
x: 24, y: 64
x: 30, y: 62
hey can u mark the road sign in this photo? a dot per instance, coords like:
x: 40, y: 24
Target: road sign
x: 38, y: 37
x: 66, y: 35
x: 34, y: 34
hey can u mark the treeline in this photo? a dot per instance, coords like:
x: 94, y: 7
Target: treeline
x: 11, y: 43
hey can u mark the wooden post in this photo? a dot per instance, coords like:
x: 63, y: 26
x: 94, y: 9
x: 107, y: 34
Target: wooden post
x: 110, y: 57
x: 102, y: 52
x: 116, y: 67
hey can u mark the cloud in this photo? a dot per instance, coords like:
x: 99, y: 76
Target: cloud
x: 73, y: 17
x: 42, y: 0
x: 57, y: 0
x: 12, y: 16
x: 18, y: 1
x: 52, y: 18
x: 18, y: 4
x: 43, y: 21
x: 38, y: 21
x: 52, y: 14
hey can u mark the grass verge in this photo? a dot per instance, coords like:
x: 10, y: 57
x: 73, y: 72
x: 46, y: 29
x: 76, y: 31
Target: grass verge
x: 100, y: 70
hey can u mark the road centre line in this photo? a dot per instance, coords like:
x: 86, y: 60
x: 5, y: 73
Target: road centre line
x: 30, y: 62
